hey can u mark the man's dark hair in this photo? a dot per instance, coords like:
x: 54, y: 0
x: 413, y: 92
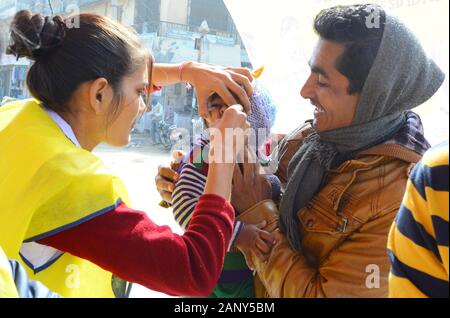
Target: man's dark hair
x: 354, y: 27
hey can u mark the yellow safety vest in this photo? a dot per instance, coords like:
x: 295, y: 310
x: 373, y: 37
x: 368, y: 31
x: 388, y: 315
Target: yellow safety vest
x: 7, y: 287
x: 47, y: 185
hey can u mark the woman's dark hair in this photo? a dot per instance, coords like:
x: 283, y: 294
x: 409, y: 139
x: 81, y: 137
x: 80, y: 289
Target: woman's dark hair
x: 360, y: 28
x: 66, y: 57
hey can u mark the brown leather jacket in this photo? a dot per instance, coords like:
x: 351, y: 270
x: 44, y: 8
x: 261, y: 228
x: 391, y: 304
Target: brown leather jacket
x: 344, y: 228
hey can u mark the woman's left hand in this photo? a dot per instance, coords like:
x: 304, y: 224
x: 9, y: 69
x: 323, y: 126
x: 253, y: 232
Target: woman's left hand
x: 225, y: 82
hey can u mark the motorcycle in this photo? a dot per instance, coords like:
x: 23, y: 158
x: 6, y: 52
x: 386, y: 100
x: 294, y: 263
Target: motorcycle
x: 167, y: 135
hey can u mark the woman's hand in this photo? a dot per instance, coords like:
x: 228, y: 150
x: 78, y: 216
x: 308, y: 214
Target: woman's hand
x: 228, y: 137
x: 225, y: 82
x: 227, y: 140
x: 252, y: 240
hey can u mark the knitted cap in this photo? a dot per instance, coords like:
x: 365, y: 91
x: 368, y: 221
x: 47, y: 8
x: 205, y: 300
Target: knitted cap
x: 264, y: 110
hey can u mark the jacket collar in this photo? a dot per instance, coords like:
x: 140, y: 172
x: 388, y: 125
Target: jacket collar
x: 386, y: 150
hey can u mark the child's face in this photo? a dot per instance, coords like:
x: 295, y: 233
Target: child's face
x: 216, y: 107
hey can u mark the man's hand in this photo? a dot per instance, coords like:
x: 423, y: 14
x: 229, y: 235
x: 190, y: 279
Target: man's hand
x: 252, y: 240
x: 249, y: 186
x: 167, y: 177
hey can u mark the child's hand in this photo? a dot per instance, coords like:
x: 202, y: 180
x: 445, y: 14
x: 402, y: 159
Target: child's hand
x: 167, y: 177
x: 253, y: 240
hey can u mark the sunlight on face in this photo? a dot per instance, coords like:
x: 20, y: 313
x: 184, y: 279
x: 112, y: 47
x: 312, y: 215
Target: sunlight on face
x: 327, y: 89
x: 131, y: 106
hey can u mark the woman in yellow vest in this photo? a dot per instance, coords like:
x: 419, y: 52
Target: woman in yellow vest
x: 63, y: 214
x: 7, y: 286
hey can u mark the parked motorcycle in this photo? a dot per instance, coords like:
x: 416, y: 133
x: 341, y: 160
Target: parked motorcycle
x: 167, y: 135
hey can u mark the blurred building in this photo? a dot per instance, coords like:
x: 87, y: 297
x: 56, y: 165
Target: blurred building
x: 12, y: 72
x: 169, y: 28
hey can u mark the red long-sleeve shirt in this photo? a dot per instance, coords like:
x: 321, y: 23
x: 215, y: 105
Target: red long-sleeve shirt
x: 128, y: 244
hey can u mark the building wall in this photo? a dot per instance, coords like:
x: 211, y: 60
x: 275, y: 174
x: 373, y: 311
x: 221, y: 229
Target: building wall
x: 223, y: 55
x: 213, y: 11
x: 5, y: 81
x: 175, y: 11
x: 128, y: 10
x: 120, y: 10
x: 177, y: 43
x: 147, y: 15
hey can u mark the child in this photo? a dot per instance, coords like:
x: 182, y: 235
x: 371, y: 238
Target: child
x: 236, y: 280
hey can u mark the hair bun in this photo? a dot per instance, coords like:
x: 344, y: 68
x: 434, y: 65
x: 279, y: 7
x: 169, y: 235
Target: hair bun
x: 35, y: 36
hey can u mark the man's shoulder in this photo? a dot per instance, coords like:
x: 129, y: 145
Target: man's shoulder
x: 300, y: 133
x: 288, y: 147
x: 294, y: 140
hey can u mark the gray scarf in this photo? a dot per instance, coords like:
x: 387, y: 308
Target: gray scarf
x: 402, y: 78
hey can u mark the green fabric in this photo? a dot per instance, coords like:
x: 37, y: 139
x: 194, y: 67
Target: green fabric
x: 243, y: 289
x: 234, y: 261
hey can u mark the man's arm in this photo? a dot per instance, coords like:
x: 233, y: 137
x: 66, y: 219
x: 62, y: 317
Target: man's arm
x: 349, y: 271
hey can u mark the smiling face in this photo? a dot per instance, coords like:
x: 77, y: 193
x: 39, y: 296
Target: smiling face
x: 327, y: 89
x: 132, y: 105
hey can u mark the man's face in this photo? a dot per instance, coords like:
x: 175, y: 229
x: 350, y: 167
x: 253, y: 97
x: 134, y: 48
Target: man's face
x: 326, y: 88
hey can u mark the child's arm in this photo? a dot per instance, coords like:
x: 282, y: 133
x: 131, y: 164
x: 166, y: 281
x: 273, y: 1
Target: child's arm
x: 188, y: 189
x: 190, y: 186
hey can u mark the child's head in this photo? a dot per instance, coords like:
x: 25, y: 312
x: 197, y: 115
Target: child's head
x: 263, y: 113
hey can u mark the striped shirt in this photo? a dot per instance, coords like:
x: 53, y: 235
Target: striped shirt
x: 418, y: 241
x: 190, y: 186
